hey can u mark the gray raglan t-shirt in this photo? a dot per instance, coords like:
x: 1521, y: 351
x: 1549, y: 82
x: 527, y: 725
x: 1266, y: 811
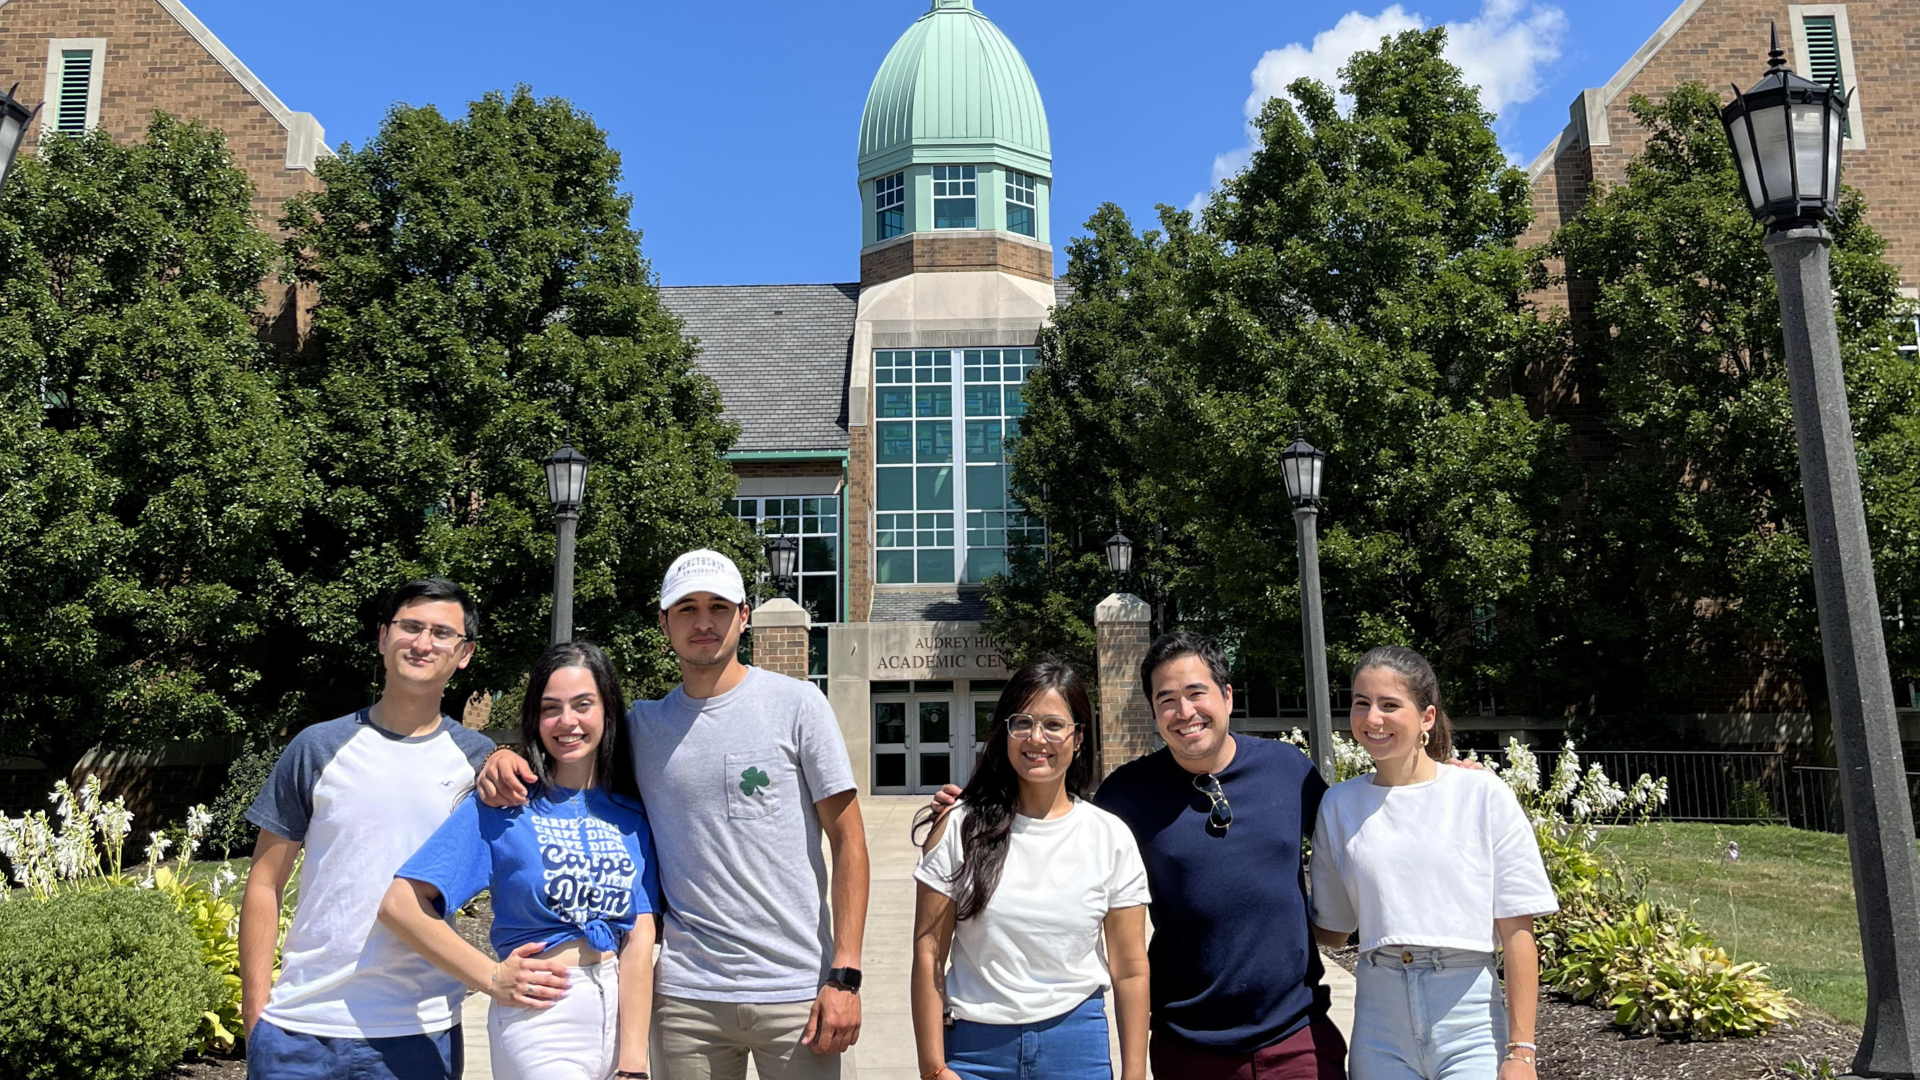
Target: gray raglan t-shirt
x: 729, y: 783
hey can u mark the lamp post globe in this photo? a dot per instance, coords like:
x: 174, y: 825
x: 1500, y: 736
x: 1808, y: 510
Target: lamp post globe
x: 15, y: 118
x: 566, y: 470
x: 1302, y: 466
x: 1119, y: 557
x: 783, y: 560
x: 1786, y: 135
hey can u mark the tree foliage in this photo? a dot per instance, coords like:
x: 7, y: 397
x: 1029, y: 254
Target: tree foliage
x: 483, y: 297
x: 1359, y: 283
x: 1693, y: 557
x: 150, y: 482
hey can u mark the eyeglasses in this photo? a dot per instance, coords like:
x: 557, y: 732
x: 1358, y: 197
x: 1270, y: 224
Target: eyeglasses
x: 444, y: 637
x: 1221, y: 815
x: 1053, y: 729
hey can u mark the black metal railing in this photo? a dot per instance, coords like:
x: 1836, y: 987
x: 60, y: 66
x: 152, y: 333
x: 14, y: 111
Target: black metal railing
x: 1733, y: 786
x: 1817, y: 798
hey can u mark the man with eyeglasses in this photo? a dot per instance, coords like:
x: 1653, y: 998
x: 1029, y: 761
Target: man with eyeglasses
x: 360, y: 794
x: 1235, y: 977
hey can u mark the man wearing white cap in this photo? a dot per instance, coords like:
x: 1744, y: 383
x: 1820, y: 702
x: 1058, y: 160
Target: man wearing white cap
x: 742, y: 770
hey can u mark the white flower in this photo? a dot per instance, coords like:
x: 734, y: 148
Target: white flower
x: 115, y: 821
x: 197, y: 821
x: 157, y: 849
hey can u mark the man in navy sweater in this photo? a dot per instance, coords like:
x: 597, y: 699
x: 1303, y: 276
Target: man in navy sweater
x: 1220, y: 818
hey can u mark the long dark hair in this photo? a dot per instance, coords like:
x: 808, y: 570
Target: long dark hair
x: 613, y: 762
x: 1423, y: 686
x: 994, y: 789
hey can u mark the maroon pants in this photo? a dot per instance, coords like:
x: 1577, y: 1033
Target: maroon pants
x: 1315, y: 1052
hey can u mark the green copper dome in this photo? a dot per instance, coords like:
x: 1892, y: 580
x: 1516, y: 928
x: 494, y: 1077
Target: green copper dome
x: 954, y: 90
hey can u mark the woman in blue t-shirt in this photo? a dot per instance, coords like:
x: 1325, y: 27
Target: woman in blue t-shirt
x: 571, y: 872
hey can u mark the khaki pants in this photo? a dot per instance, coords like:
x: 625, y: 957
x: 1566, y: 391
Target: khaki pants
x: 710, y: 1040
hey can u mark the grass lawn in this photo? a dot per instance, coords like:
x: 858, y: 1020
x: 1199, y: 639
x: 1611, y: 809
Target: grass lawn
x: 1787, y: 902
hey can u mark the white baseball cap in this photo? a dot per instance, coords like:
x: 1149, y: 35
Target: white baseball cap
x: 702, y: 571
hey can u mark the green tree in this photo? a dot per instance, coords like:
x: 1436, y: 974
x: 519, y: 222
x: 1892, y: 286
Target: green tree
x: 149, y: 478
x: 1358, y: 282
x: 1693, y: 557
x: 482, y: 297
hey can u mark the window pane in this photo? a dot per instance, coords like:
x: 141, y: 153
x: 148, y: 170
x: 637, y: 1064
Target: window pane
x: 986, y: 487
x: 935, y: 441
x: 983, y: 441
x: 985, y: 561
x: 1019, y: 219
x: 983, y: 401
x: 896, y: 402
x: 890, y: 770
x: 936, y: 721
x: 936, y: 566
x: 820, y: 553
x: 953, y: 213
x: 823, y: 597
x: 935, y: 487
x: 933, y: 401
x: 889, y: 722
x: 1015, y: 406
x: 896, y: 443
x: 895, y: 568
x: 893, y: 489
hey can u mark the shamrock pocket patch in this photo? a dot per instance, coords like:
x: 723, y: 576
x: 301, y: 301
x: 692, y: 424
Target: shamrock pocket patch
x: 753, y: 780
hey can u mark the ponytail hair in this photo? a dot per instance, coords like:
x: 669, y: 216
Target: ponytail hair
x: 1423, y: 686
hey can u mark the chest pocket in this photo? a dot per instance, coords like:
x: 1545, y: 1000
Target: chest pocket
x: 756, y: 782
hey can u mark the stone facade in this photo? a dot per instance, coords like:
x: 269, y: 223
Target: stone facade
x: 1122, y: 624
x: 961, y: 250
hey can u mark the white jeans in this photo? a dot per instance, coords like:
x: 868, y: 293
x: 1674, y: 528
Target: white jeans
x: 576, y: 1039
x: 1427, y: 1014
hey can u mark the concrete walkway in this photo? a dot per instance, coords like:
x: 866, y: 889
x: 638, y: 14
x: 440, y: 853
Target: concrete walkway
x: 885, y: 1051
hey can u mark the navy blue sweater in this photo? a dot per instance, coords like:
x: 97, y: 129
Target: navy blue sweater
x: 1234, y: 965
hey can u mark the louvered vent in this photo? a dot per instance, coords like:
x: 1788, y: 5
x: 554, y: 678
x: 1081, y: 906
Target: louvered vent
x: 76, y: 80
x: 1823, y: 55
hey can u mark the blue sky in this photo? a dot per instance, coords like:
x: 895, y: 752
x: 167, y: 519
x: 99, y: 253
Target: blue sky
x: 736, y: 121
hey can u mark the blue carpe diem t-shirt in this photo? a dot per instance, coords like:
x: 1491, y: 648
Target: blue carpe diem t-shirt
x: 568, y: 864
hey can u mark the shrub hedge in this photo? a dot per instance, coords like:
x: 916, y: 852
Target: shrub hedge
x: 99, y: 984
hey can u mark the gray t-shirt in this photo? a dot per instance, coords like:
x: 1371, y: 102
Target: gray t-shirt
x: 729, y: 783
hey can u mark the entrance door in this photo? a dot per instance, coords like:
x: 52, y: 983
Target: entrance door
x: 916, y: 747
x: 933, y: 745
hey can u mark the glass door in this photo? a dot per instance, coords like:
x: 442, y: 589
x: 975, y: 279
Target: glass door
x: 916, y: 747
x: 933, y: 749
x: 890, y: 755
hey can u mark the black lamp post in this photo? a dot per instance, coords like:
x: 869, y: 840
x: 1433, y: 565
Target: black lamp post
x: 783, y: 561
x: 1302, y: 465
x: 14, y: 120
x: 566, y: 483
x: 1786, y: 138
x: 1119, y: 557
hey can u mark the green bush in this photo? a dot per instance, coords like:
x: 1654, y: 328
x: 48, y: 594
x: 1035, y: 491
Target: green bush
x: 99, y: 984
x: 231, y: 833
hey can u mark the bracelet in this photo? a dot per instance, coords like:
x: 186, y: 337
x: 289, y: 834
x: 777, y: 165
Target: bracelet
x: 1523, y: 1046
x: 633, y: 1074
x: 934, y: 1073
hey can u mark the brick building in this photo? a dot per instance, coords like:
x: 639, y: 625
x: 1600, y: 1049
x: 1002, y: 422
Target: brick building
x: 109, y: 64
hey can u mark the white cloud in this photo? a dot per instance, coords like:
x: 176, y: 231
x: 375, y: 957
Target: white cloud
x: 1502, y: 50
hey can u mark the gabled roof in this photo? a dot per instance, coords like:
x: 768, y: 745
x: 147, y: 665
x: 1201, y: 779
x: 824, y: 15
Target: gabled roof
x: 1590, y: 109
x: 779, y: 354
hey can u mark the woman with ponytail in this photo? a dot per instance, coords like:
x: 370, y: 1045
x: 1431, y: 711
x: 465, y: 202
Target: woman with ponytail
x: 1436, y: 868
x: 1039, y: 896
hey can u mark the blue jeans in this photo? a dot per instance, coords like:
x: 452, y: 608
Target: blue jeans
x: 1071, y: 1046
x: 1427, y: 1014
x: 278, y: 1054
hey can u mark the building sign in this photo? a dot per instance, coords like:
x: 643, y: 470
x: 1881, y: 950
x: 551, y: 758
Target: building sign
x: 914, y: 651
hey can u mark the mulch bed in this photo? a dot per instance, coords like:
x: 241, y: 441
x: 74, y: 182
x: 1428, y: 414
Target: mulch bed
x: 1579, y: 1042
x: 472, y: 925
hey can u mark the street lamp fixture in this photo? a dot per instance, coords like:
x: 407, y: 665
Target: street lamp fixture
x: 1119, y: 556
x: 566, y: 485
x: 783, y: 560
x: 15, y: 118
x: 1786, y: 137
x: 1303, y: 466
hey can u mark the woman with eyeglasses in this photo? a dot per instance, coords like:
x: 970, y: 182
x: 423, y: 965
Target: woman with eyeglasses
x: 1039, y: 896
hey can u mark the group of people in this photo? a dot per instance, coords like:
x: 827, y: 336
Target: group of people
x: 694, y: 824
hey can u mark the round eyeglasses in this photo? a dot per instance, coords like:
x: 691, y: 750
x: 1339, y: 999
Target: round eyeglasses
x: 1053, y: 729
x: 444, y: 637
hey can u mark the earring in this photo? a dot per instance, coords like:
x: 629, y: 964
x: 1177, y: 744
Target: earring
x: 1426, y: 737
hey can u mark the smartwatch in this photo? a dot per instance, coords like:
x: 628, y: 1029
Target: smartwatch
x: 846, y: 978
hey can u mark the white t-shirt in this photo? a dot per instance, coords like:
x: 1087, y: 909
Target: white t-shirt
x: 1429, y: 864
x: 1037, y: 950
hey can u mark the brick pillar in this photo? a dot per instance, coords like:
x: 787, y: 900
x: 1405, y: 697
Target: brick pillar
x: 1126, y: 723
x: 780, y: 637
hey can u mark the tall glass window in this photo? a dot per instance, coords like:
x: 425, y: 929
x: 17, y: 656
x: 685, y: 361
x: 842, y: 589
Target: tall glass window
x: 921, y: 493
x: 814, y: 523
x: 889, y: 206
x: 1022, y: 203
x: 913, y: 467
x: 955, y: 197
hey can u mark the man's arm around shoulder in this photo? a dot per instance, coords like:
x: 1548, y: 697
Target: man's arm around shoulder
x: 273, y: 859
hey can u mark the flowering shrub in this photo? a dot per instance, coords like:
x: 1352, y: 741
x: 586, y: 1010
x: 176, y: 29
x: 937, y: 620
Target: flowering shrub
x: 84, y: 854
